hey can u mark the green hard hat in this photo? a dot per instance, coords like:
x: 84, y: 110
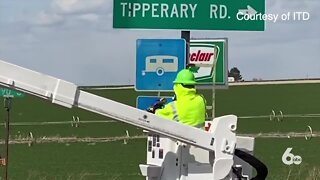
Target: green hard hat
x: 185, y: 77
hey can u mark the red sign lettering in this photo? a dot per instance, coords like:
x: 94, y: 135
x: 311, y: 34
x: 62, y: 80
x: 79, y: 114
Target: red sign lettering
x: 200, y: 56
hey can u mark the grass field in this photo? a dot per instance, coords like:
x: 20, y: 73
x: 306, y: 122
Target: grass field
x: 77, y: 161
x: 114, y: 160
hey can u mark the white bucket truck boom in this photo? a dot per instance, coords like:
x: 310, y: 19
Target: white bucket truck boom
x: 174, y: 151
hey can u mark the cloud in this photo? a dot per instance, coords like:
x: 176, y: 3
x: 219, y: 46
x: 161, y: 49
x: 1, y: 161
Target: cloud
x: 78, y: 6
x: 89, y: 17
x: 71, y: 11
x: 47, y: 19
x: 295, y: 5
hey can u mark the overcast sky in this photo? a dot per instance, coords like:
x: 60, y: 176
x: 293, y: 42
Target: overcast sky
x: 74, y: 40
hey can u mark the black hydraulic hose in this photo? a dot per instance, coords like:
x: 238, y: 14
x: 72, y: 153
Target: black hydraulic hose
x: 262, y: 170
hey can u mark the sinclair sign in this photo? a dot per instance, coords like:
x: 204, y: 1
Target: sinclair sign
x: 210, y: 59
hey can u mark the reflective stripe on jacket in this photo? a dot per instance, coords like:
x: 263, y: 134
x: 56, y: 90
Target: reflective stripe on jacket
x: 189, y: 108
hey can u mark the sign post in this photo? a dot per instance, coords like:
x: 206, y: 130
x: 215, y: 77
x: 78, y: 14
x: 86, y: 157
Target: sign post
x: 186, y: 36
x: 8, y: 95
x: 7, y: 106
x: 189, y: 15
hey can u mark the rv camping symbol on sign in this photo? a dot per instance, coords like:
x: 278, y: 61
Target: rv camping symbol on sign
x: 157, y: 63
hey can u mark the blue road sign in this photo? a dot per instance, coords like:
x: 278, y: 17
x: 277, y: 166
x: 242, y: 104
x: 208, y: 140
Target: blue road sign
x: 143, y: 102
x: 157, y: 63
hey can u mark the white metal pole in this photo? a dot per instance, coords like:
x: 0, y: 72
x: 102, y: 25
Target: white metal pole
x: 214, y: 93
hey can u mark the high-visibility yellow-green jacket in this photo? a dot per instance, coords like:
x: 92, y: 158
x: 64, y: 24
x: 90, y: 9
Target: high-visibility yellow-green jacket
x: 190, y: 107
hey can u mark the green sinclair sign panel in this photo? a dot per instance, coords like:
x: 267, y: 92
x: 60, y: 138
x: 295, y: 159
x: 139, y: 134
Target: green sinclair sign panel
x: 210, y: 59
x: 189, y: 14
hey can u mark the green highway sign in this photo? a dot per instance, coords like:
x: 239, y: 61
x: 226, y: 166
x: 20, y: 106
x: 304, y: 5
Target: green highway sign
x: 243, y: 15
x: 210, y: 59
x: 5, y: 92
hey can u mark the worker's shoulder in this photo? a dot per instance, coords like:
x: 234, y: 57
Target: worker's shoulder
x: 200, y: 97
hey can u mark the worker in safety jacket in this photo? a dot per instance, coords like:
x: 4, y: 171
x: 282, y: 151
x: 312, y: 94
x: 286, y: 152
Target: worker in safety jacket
x: 189, y: 107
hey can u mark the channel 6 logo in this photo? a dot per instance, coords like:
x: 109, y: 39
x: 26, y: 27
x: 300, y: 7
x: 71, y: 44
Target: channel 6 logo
x: 288, y: 158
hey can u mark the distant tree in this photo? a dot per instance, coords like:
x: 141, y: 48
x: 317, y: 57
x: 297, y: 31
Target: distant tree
x: 235, y: 73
